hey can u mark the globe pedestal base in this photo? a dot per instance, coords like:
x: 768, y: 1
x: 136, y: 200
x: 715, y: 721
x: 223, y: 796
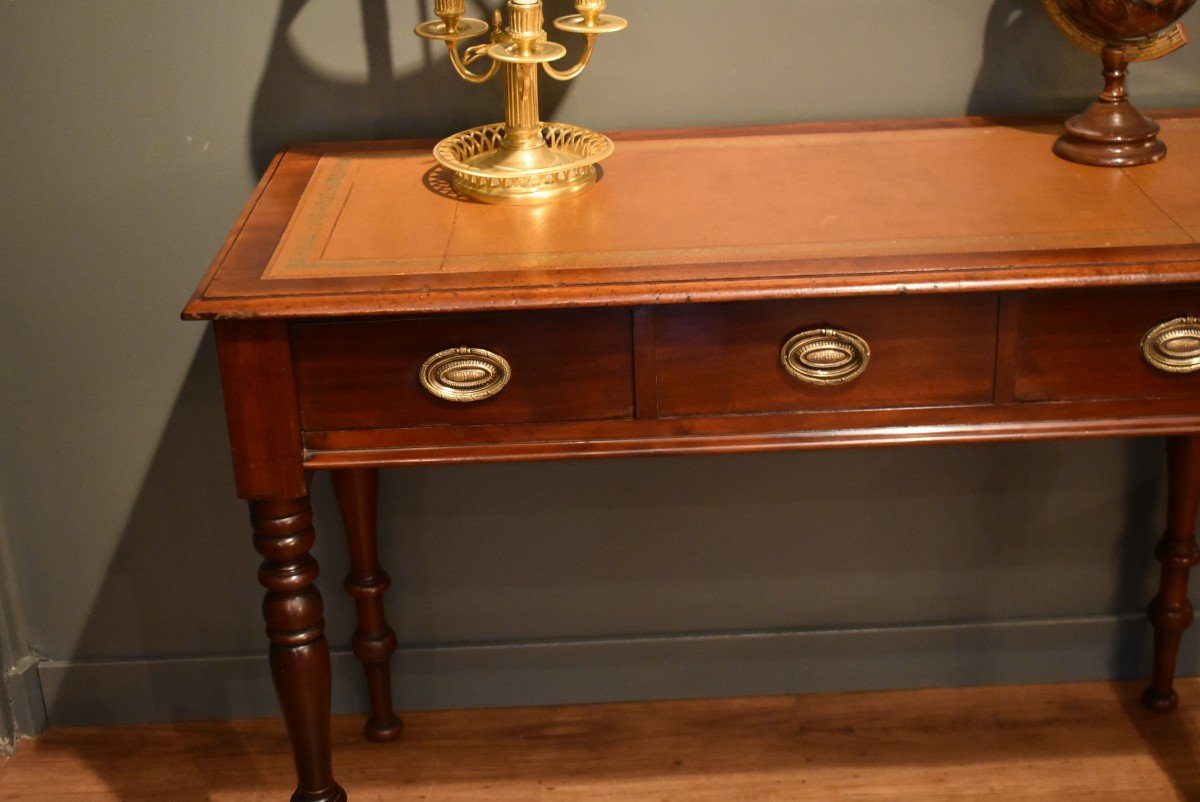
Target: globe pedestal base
x: 1110, y: 134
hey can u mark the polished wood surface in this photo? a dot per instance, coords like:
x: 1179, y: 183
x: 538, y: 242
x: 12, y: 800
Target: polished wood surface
x: 294, y: 613
x: 566, y: 366
x: 1058, y: 742
x: 950, y: 367
x: 722, y: 359
x: 1171, y: 612
x: 863, y: 211
x: 1002, y: 294
x: 261, y: 411
x: 1076, y: 346
x: 357, y: 493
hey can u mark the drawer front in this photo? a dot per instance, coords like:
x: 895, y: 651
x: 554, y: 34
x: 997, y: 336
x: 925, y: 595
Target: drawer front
x: 571, y: 365
x: 724, y: 359
x: 1087, y: 345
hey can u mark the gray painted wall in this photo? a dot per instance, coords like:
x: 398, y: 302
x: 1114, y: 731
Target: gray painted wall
x: 133, y: 132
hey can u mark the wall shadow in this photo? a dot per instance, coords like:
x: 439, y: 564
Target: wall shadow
x: 1171, y: 739
x: 169, y: 580
x: 170, y: 577
x: 1029, y: 67
x: 297, y: 103
x: 1141, y: 526
x: 168, y: 590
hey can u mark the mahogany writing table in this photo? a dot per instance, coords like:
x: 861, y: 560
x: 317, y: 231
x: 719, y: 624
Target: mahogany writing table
x: 718, y: 291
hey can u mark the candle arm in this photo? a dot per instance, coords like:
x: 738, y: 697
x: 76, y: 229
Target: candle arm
x: 472, y: 55
x: 566, y: 75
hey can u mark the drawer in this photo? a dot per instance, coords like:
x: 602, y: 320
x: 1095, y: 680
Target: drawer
x: 569, y: 365
x: 723, y: 359
x: 1087, y: 345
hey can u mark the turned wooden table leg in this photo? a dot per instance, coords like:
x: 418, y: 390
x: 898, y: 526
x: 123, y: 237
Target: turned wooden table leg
x: 1171, y: 612
x: 374, y: 641
x: 292, y: 607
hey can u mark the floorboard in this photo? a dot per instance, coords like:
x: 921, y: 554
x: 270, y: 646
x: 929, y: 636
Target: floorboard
x: 1062, y: 742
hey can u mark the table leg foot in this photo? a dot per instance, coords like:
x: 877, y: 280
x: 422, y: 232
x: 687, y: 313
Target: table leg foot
x: 1160, y: 702
x: 1171, y: 612
x: 383, y: 731
x: 333, y: 793
x: 357, y: 492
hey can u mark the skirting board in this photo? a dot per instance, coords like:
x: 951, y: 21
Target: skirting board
x: 671, y: 667
x: 25, y: 713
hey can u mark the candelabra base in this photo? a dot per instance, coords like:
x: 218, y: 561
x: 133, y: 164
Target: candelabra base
x: 485, y: 172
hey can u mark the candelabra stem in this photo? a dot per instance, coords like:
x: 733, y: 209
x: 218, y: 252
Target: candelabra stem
x: 522, y: 102
x: 523, y: 147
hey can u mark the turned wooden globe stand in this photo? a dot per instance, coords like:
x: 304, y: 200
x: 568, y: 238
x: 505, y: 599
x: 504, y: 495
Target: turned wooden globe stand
x: 1111, y: 132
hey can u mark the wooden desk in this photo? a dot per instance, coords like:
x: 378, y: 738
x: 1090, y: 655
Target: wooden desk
x: 712, y: 294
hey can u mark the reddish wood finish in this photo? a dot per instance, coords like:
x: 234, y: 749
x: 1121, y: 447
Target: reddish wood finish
x: 1073, y: 742
x: 565, y: 366
x: 283, y: 535
x: 621, y: 346
x: 357, y: 494
x: 645, y: 363
x: 723, y: 359
x: 261, y: 409
x: 1171, y: 612
x: 738, y: 434
x: 1076, y: 346
x: 264, y: 427
x: 1111, y: 132
x: 235, y: 287
x: 1008, y: 331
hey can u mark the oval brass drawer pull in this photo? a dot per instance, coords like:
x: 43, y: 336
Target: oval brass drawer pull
x: 1174, y: 346
x: 465, y: 374
x: 825, y: 356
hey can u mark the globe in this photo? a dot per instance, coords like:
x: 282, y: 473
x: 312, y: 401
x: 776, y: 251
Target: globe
x: 1111, y: 132
x: 1118, y: 21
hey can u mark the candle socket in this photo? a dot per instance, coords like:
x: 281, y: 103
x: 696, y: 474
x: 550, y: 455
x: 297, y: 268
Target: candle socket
x: 523, y: 160
x: 590, y: 10
x: 450, y: 12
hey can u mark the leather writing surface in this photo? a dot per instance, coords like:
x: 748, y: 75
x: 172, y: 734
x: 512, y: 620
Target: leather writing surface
x: 1173, y: 185
x: 748, y: 198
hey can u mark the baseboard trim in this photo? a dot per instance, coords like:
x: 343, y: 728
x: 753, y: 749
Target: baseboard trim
x: 25, y: 715
x: 668, y: 667
x: 22, y: 711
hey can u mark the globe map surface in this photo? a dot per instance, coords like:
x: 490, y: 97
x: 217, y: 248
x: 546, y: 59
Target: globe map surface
x: 1124, y: 20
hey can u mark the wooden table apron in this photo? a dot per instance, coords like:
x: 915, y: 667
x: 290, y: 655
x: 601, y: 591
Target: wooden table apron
x: 697, y: 300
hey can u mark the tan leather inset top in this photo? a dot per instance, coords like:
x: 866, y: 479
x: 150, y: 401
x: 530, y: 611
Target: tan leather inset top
x: 746, y: 198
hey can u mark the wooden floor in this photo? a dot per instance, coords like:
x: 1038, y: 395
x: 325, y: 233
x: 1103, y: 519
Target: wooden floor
x: 1087, y: 741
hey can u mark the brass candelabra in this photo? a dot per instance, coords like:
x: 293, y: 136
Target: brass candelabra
x: 522, y: 160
